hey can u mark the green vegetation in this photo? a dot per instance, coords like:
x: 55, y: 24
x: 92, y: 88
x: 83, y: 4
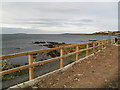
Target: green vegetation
x: 14, y: 74
x: 118, y: 42
x: 83, y: 53
x: 6, y: 78
x: 82, y: 46
x: 16, y: 65
x: 70, y: 49
x: 71, y: 59
x: 100, y: 33
x: 106, y: 33
x: 7, y: 65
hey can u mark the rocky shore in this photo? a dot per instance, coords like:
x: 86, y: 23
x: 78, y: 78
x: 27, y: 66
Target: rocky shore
x: 48, y: 44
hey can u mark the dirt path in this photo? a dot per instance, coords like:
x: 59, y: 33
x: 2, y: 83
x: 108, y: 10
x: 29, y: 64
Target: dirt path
x: 98, y: 71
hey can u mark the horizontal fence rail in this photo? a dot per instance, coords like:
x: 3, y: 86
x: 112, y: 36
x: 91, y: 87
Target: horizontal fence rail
x: 96, y: 44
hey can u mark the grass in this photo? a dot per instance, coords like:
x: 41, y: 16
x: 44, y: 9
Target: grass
x: 14, y: 74
x: 6, y: 78
x: 82, y: 46
x: 71, y: 59
x: 118, y: 42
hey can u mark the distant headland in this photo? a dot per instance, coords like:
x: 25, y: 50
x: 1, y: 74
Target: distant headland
x: 20, y: 33
x: 96, y: 33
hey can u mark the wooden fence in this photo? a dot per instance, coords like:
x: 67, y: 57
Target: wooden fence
x: 96, y: 44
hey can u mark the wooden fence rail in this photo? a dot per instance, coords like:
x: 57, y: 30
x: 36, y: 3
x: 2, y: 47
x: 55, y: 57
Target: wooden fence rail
x: 96, y: 44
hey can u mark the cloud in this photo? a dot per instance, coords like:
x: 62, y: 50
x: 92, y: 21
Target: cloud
x: 62, y: 17
x: 86, y: 20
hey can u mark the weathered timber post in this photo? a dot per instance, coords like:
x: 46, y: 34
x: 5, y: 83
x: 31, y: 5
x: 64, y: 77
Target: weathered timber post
x: 93, y: 47
x: 102, y: 44
x: 98, y: 45
x: 113, y: 40
x: 30, y: 61
x: 61, y: 54
x: 87, y: 51
x: 105, y: 43
x: 77, y: 54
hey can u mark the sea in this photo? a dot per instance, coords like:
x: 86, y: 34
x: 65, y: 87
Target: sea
x: 16, y: 43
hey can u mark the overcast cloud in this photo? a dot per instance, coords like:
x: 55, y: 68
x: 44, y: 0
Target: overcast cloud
x: 59, y: 17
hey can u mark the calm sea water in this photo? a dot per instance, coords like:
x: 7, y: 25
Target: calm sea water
x: 10, y: 42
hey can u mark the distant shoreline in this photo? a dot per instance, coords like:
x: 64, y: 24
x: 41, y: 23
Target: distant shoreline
x: 90, y: 34
x: 112, y: 33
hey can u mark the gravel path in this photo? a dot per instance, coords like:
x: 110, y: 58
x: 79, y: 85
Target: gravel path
x: 98, y: 71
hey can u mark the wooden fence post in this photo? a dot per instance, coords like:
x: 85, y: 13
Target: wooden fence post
x: 98, y: 45
x: 77, y: 54
x: 105, y: 43
x: 87, y: 51
x: 61, y: 54
x: 93, y: 47
x: 113, y: 41
x: 102, y: 44
x: 30, y: 61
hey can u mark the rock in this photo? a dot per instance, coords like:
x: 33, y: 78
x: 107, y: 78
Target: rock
x: 42, y: 42
x: 35, y: 42
x: 76, y: 79
x: 53, y: 85
x: 53, y: 53
x: 39, y: 42
x: 95, y: 57
x: 109, y: 65
x: 53, y: 42
x: 26, y: 63
x: 57, y: 79
x: 80, y: 74
x: 88, y: 62
x: 17, y: 48
x: 106, y: 80
x: 92, y: 40
x: 91, y: 66
x: 51, y: 46
x: 34, y: 87
x: 63, y: 43
x: 64, y: 86
x: 48, y: 45
x: 92, y: 71
x: 35, y: 54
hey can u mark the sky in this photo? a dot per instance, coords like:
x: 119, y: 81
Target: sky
x: 58, y: 17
